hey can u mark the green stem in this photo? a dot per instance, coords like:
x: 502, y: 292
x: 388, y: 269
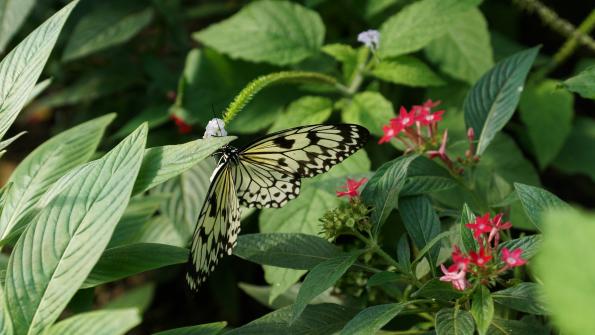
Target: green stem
x: 375, y: 248
x: 255, y: 86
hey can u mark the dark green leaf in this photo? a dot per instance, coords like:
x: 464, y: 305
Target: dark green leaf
x: 524, y: 297
x: 139, y: 297
x: 383, y: 277
x: 436, y: 289
x: 482, y: 309
x: 536, y: 201
x: 577, y: 154
x: 451, y: 321
x: 371, y: 319
x: 469, y: 243
x: 213, y: 328
x: 426, y: 176
x: 404, y: 253
x: 514, y: 327
x: 530, y: 245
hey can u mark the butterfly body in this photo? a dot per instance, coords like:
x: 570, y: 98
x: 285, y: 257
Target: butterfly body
x: 265, y: 174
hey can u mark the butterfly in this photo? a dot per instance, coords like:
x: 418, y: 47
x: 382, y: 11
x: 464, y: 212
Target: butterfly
x: 266, y: 173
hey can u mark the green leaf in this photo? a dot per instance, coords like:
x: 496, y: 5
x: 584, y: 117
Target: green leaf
x: 321, y: 277
x: 530, y: 244
x: 46, y: 164
x: 536, y: 201
x: 21, y: 68
x: 429, y: 246
x: 66, y: 238
x: 159, y: 230
x: 140, y: 210
x: 546, y: 111
x: 262, y: 294
x: 381, y: 278
x: 12, y: 15
x: 123, y: 261
x: 187, y: 193
x: 382, y: 190
x: 524, y: 297
x: 371, y: 319
x: 404, y: 253
x: 469, y: 243
x: 482, y: 309
x: 258, y: 31
x: 492, y: 100
x: 288, y: 250
x: 426, y: 176
x: 5, y: 320
x: 563, y: 265
x: 304, y: 111
x: 583, y: 83
x: 452, y: 321
x: 349, y: 57
x: 163, y: 163
x: 281, y: 280
x: 436, y: 289
x: 321, y: 319
x: 109, y: 23
x: 514, y: 327
x: 139, y: 298
x: 368, y: 109
x: 422, y: 224
x: 108, y: 322
x: 416, y: 25
x: 464, y: 51
x: 408, y: 71
x: 577, y: 154
x: 213, y: 328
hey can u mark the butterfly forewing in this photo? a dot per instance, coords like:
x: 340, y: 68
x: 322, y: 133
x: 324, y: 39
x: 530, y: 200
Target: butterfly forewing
x: 217, y: 228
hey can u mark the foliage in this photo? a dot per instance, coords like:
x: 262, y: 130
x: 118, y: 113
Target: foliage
x: 458, y: 216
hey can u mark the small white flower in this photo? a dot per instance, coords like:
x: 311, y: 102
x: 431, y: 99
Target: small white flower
x: 371, y: 38
x: 215, y: 127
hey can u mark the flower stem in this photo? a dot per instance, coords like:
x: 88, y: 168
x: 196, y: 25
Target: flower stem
x: 255, y: 86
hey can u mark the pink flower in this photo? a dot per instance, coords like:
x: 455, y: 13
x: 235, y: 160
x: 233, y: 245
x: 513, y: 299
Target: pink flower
x: 441, y: 152
x: 351, y: 188
x: 480, y: 259
x: 183, y: 127
x: 513, y: 258
x: 405, y: 119
x: 390, y: 131
x: 456, y: 278
x: 481, y: 225
x: 497, y: 226
x: 426, y: 118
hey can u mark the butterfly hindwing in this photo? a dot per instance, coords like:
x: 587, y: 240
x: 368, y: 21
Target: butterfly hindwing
x: 218, y: 226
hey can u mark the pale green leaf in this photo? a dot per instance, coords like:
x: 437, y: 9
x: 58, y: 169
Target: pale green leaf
x: 64, y: 241
x: 277, y: 32
x: 546, y: 110
x: 107, y: 322
x: 371, y: 319
x: 281, y: 280
x: 419, y: 23
x: 140, y: 210
x: 4, y: 144
x: 21, y: 68
x: 368, y: 109
x: 523, y: 297
x: 109, y: 23
x: 5, y: 320
x: 304, y: 111
x: 160, y: 230
x: 349, y: 57
x: 139, y: 297
x: 46, y: 164
x: 536, y: 201
x: 408, y: 71
x: 12, y: 15
x: 492, y: 100
x: 583, y: 83
x: 464, y: 51
x: 482, y: 309
x: 123, y: 261
x: 213, y: 328
x: 451, y: 321
x: 577, y: 154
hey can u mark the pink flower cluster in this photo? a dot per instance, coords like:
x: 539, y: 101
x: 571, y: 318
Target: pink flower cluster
x: 410, y: 124
x: 350, y: 189
x: 481, y: 265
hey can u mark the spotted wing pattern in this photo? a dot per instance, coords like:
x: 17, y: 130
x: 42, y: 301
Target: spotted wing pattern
x: 218, y: 226
x: 270, y: 169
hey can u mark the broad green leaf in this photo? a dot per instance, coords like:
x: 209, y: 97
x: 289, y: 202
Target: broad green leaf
x: 426, y: 176
x: 349, y: 57
x: 139, y: 298
x: 321, y: 277
x: 5, y: 320
x: 123, y: 261
x: 416, y: 25
x: 21, y: 68
x: 371, y: 319
x: 530, y: 244
x: 536, y: 201
x: 577, y: 154
x: 563, y: 265
x: 464, y: 51
x: 140, y: 210
x: 515, y: 327
x: 404, y: 253
x: 12, y: 14
x: 482, y: 309
x: 432, y: 244
x: 109, y: 23
x: 187, y: 193
x: 408, y: 71
x: 422, y: 224
x: 288, y: 250
x: 64, y: 241
x: 104, y: 322
x: 452, y: 321
x: 304, y: 111
x: 40, y: 88
x: 163, y: 163
x: 381, y: 278
x: 382, y: 190
x: 46, y: 164
x: 321, y: 319
x: 262, y: 294
x: 546, y: 110
x: 281, y: 280
x: 523, y: 297
x: 492, y: 100
x: 436, y: 289
x: 160, y: 230
x: 469, y: 243
x: 261, y: 29
x: 213, y: 328
x: 583, y: 83
x: 368, y: 109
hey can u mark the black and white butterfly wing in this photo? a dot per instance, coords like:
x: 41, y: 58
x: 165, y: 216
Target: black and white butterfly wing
x: 269, y: 170
x: 218, y: 226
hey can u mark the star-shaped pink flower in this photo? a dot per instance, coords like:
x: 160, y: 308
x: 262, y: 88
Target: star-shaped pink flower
x: 456, y: 278
x: 351, y: 188
x: 513, y: 258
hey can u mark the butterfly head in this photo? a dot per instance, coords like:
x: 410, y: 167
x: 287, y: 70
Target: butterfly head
x: 227, y: 153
